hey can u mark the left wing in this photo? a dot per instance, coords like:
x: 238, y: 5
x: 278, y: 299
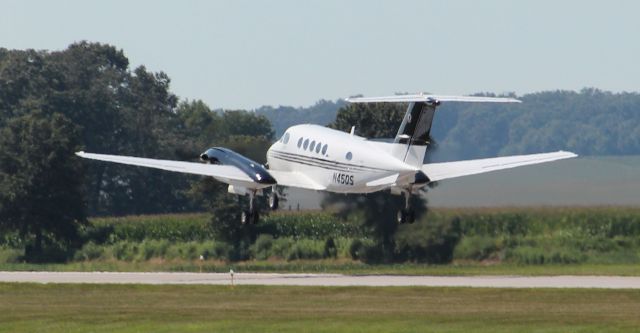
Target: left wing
x: 225, y: 173
x: 440, y: 171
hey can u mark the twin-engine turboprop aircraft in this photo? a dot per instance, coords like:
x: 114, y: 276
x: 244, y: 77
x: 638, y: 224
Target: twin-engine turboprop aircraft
x: 323, y: 159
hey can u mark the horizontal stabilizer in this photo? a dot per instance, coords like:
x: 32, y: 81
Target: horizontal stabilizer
x: 431, y: 99
x: 440, y: 171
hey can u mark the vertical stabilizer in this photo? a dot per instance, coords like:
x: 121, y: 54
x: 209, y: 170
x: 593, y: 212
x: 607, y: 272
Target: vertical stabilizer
x: 413, y: 135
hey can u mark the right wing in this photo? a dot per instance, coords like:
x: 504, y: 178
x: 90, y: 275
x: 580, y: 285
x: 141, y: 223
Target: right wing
x: 440, y: 171
x: 431, y: 98
x: 225, y: 173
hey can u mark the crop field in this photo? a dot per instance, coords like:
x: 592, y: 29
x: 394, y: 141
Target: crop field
x: 137, y: 308
x: 526, y: 241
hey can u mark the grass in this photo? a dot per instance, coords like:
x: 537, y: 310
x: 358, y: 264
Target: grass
x: 334, y: 266
x: 141, y: 308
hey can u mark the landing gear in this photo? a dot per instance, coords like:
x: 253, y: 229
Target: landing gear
x: 252, y: 215
x: 273, y: 199
x: 406, y: 214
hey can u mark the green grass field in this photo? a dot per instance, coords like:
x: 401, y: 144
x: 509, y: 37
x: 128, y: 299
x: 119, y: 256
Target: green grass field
x: 138, y: 308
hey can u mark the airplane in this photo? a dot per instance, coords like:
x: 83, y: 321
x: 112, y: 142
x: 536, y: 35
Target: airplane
x: 319, y: 158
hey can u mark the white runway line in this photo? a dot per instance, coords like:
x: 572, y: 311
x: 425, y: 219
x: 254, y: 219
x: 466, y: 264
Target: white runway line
x: 607, y: 282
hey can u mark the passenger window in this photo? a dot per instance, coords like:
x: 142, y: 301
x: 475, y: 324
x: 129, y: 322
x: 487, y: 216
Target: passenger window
x: 299, y: 142
x: 318, y: 147
x: 306, y: 144
x: 286, y: 138
x: 313, y: 144
x: 324, y: 149
x: 349, y: 156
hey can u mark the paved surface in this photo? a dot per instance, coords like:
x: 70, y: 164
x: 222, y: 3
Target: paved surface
x: 609, y: 282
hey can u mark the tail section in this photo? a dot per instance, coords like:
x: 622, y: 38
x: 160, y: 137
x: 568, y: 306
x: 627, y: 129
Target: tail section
x: 412, y: 140
x: 413, y: 135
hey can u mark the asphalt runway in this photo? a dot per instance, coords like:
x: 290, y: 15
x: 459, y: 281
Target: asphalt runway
x: 274, y: 279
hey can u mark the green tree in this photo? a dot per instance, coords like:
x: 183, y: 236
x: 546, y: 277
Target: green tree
x: 41, y: 183
x: 376, y: 210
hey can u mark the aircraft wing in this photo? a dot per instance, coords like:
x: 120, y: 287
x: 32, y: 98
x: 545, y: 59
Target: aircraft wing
x: 440, y: 171
x: 431, y: 98
x: 295, y: 179
x: 223, y: 172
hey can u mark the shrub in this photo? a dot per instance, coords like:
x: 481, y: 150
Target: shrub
x: 428, y: 242
x: 475, y: 248
x: 89, y: 251
x: 261, y: 249
x: 306, y: 249
x: 11, y: 255
x: 330, y: 249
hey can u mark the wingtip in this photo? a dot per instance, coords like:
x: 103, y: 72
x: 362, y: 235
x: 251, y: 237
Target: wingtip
x: 80, y: 153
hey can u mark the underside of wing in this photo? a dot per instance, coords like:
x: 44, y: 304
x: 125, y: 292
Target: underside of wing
x: 440, y: 171
x: 225, y: 173
x: 295, y: 179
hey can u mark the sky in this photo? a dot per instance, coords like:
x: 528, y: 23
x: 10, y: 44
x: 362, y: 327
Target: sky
x: 241, y: 54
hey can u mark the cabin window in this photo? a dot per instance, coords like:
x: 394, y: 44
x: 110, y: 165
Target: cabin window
x: 306, y: 144
x: 324, y: 149
x: 312, y: 145
x: 318, y: 147
x: 285, y: 139
x: 349, y: 156
x: 299, y: 142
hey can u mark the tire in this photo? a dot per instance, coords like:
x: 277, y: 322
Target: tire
x: 274, y: 201
x: 401, y: 216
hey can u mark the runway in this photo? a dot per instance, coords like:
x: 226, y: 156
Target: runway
x: 275, y: 279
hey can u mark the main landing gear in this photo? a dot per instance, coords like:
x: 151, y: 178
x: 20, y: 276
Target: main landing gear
x: 406, y: 214
x: 252, y: 215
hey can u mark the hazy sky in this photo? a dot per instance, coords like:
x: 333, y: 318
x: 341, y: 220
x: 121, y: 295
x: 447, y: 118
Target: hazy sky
x: 244, y: 54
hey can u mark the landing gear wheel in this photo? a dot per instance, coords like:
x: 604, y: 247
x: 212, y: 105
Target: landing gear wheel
x: 274, y: 201
x: 401, y: 217
x: 247, y: 217
x: 405, y: 216
x: 244, y: 217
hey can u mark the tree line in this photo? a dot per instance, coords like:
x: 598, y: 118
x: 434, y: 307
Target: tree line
x: 86, y: 97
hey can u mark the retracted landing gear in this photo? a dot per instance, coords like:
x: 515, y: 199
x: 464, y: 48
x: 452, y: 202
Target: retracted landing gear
x: 252, y: 215
x: 406, y: 214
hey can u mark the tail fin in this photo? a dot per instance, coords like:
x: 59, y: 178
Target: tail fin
x: 412, y: 139
x: 413, y: 135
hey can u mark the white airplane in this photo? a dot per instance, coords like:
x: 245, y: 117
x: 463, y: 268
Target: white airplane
x: 323, y: 159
